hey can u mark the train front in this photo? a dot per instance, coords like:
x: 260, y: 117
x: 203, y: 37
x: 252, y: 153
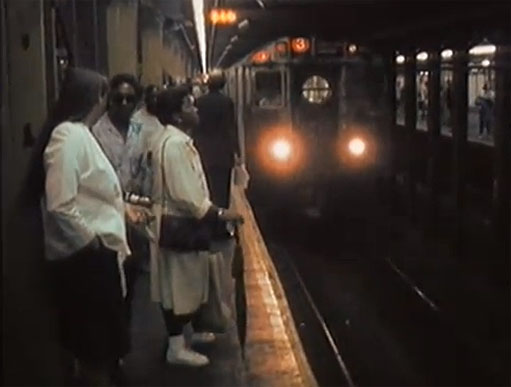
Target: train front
x: 313, y: 125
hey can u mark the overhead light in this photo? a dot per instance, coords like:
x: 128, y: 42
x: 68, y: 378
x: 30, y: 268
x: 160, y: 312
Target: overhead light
x: 446, y: 54
x: 422, y: 56
x: 199, y: 17
x: 234, y: 38
x: 261, y: 4
x: 485, y: 62
x: 484, y: 49
x: 222, y: 16
x: 400, y: 59
x: 352, y: 48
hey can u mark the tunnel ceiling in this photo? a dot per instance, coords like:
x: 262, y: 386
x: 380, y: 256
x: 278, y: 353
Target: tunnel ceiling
x: 398, y: 25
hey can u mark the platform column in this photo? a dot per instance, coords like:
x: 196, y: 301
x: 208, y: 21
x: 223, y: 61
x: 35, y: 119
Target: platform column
x: 28, y: 327
x: 390, y: 126
x: 433, y: 121
x: 122, y: 37
x: 410, y: 93
x: 502, y: 156
x: 151, y: 25
x: 459, y: 132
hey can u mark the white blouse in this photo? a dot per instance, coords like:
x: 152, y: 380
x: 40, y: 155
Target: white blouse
x: 83, y: 196
x: 186, y: 191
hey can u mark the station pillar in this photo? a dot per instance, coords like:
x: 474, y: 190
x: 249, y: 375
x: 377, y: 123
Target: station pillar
x: 459, y: 132
x: 410, y: 94
x: 390, y: 126
x: 502, y: 156
x: 28, y: 324
x: 173, y: 56
x: 433, y: 121
x: 151, y: 26
x: 122, y: 24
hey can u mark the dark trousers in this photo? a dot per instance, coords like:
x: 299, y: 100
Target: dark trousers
x: 88, y: 297
x: 219, y: 183
x: 133, y: 265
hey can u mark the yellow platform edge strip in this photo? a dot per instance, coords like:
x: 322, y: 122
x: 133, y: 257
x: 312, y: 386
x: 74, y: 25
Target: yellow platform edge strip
x: 256, y: 253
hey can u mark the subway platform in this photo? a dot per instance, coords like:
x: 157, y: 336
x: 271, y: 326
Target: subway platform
x: 273, y: 355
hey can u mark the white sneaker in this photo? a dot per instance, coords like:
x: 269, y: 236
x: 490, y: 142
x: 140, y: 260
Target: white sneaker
x: 177, y: 353
x: 203, y: 338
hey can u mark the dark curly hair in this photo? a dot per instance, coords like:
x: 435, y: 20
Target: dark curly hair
x: 169, y: 102
x: 119, y: 79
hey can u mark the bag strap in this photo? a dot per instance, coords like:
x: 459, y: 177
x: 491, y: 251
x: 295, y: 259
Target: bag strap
x: 164, y: 181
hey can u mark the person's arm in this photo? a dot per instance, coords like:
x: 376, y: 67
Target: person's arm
x: 185, y: 184
x: 61, y: 160
x: 232, y: 130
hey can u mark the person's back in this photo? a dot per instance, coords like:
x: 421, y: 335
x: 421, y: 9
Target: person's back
x: 215, y: 137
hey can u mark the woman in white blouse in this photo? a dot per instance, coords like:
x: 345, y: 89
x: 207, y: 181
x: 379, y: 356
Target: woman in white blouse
x: 84, y: 228
x: 179, y: 280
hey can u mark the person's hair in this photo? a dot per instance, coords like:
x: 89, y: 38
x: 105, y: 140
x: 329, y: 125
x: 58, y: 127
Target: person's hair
x: 150, y: 98
x: 170, y: 102
x: 119, y: 79
x: 216, y: 81
x: 79, y: 93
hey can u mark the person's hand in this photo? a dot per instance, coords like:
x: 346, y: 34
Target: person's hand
x: 137, y: 214
x: 231, y: 215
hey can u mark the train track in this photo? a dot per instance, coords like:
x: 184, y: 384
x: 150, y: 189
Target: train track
x: 377, y: 325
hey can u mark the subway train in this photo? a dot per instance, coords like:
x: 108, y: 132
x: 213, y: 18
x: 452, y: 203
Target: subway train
x: 309, y: 115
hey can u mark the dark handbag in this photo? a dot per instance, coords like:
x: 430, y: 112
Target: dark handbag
x: 184, y: 233
x: 179, y: 232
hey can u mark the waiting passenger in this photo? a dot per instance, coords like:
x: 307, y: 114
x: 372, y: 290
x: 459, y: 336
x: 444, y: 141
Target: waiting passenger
x: 217, y: 141
x: 119, y: 136
x: 485, y: 101
x: 84, y: 227
x: 179, y: 280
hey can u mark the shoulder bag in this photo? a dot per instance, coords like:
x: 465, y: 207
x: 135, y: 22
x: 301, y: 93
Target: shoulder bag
x: 181, y: 233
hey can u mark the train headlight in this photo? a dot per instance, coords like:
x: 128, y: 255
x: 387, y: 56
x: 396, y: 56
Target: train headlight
x: 357, y: 146
x: 281, y: 149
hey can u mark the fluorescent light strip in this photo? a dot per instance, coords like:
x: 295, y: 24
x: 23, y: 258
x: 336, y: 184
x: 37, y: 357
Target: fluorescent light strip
x: 198, y: 13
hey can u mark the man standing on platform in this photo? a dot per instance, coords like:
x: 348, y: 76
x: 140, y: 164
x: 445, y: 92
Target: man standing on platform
x: 120, y: 138
x: 217, y: 142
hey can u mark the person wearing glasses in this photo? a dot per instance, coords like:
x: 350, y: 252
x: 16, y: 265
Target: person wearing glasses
x: 119, y: 135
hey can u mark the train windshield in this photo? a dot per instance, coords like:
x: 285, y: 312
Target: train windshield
x: 268, y: 88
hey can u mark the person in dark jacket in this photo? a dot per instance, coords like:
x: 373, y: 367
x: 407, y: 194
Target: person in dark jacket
x: 217, y: 142
x: 216, y: 139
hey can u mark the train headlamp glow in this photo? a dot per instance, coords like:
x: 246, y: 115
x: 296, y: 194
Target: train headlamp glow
x: 357, y: 146
x: 281, y: 149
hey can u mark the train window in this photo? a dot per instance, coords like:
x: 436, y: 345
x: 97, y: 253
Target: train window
x: 316, y: 90
x: 268, y: 89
